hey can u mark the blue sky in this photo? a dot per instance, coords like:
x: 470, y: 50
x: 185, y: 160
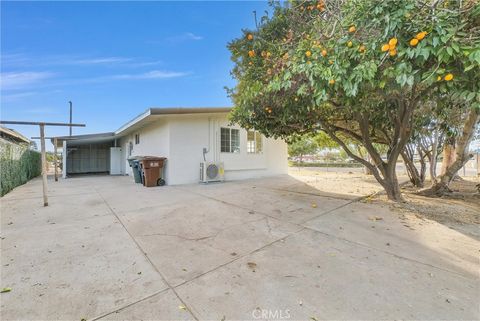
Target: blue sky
x: 115, y: 59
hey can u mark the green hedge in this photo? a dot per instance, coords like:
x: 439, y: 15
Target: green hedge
x: 298, y: 164
x: 18, y: 165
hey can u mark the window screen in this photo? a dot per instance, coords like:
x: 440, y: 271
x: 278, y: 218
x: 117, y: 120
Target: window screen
x: 229, y: 140
x: 254, y: 142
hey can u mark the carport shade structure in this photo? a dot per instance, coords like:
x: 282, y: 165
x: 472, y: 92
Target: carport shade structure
x: 42, y: 144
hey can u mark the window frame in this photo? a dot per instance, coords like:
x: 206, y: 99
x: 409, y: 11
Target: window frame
x: 137, y: 139
x: 257, y: 136
x: 233, y: 145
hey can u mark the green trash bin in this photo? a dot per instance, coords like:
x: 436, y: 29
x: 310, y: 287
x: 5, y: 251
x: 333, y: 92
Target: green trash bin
x: 135, y: 165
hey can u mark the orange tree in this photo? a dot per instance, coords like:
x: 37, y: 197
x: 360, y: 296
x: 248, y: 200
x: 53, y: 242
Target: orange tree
x: 356, y: 70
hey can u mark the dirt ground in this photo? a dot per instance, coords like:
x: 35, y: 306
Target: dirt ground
x: 459, y: 210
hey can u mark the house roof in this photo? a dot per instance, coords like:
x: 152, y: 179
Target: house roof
x: 13, y: 135
x: 140, y: 119
x: 147, y: 116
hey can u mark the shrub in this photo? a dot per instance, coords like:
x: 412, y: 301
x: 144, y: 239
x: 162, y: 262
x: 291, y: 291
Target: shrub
x: 18, y: 165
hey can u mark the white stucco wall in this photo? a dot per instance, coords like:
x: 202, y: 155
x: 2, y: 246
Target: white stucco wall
x: 154, y: 141
x: 181, y: 138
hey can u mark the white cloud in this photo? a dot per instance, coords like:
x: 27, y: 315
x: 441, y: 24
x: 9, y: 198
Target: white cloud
x: 96, y: 61
x: 21, y: 60
x: 154, y: 74
x: 192, y: 36
x: 18, y: 80
x: 183, y: 37
x: 17, y: 96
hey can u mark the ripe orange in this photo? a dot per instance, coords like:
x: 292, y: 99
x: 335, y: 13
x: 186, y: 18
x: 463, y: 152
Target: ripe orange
x: 308, y: 53
x: 392, y: 52
x: 413, y: 42
x: 392, y: 43
x: 251, y: 53
x: 352, y: 29
x: 385, y: 47
x: 448, y: 77
x: 421, y: 35
x: 324, y: 52
x: 250, y: 36
x: 331, y: 81
x: 362, y: 48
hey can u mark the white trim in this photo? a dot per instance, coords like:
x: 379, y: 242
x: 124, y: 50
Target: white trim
x: 133, y: 121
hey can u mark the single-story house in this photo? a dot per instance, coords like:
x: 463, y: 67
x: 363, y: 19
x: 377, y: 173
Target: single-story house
x: 13, y: 136
x: 187, y: 137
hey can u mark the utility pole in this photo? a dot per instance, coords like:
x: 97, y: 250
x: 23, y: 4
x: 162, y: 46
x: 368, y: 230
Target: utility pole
x: 42, y: 148
x: 70, y: 117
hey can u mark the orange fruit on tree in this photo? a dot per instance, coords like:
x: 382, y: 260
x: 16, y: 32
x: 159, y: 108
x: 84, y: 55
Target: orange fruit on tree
x: 421, y: 35
x: 352, y: 29
x: 251, y: 53
x: 324, y: 52
x: 331, y: 81
x: 392, y: 42
x: 349, y: 44
x: 439, y: 78
x: 392, y: 52
x: 414, y: 42
x: 308, y: 53
x: 362, y: 48
x: 448, y: 77
x: 250, y: 36
x: 385, y: 47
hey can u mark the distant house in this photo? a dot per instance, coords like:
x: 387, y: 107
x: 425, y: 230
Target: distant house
x: 13, y: 136
x: 187, y: 137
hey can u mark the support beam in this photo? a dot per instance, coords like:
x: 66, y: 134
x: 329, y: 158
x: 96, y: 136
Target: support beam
x: 55, y: 158
x: 14, y: 122
x: 64, y: 160
x: 44, y: 164
x: 43, y: 153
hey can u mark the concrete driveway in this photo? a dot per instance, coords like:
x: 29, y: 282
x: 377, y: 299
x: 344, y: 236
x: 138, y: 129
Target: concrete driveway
x: 276, y: 249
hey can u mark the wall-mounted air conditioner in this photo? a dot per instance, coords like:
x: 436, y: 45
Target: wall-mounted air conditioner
x: 211, y: 172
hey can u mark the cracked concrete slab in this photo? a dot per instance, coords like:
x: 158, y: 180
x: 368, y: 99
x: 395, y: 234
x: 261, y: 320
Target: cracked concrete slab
x: 311, y: 275
x: 239, y: 250
x: 165, y: 304
x: 407, y: 236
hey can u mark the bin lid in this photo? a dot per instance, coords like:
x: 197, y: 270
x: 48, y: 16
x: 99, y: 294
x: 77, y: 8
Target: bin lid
x: 153, y: 158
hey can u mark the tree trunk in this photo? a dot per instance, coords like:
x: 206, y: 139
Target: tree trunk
x: 462, y: 155
x: 433, y: 156
x: 390, y: 182
x: 412, y: 171
x: 448, y: 155
x: 367, y: 170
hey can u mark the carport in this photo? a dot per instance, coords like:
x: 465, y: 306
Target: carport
x: 90, y: 154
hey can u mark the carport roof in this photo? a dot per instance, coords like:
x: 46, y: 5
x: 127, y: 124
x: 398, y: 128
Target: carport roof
x: 139, y: 121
